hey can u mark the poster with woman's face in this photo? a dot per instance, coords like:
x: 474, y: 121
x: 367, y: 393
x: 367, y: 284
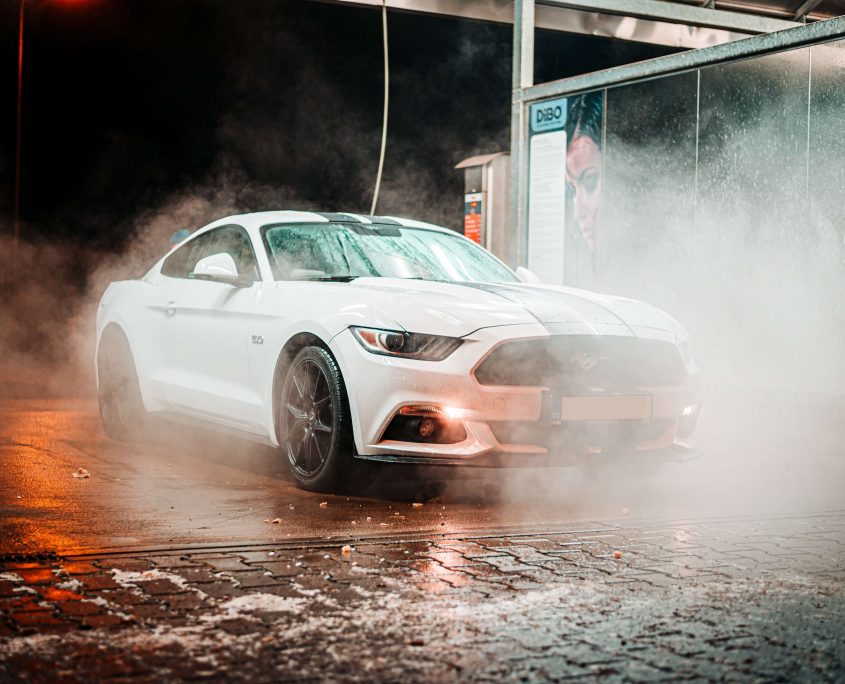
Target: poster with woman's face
x: 583, y: 169
x: 565, y: 189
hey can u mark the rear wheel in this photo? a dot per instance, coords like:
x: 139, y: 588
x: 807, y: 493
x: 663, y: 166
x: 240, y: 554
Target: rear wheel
x: 121, y: 407
x: 315, y: 423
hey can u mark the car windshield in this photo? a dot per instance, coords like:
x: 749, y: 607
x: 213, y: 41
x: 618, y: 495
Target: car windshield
x: 341, y: 251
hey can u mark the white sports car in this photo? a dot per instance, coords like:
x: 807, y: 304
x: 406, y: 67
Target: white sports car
x: 343, y: 338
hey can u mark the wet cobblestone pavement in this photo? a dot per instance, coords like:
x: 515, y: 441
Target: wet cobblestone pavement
x: 737, y: 599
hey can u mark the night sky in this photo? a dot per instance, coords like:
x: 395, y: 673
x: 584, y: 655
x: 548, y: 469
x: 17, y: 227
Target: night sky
x: 261, y: 104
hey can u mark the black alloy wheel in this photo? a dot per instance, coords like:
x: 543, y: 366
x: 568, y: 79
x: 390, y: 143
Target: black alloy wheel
x: 316, y: 434
x: 122, y: 411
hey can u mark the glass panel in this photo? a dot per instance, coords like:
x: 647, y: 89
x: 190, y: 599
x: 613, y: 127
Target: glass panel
x: 725, y: 208
x: 649, y: 185
x: 823, y: 253
x: 751, y: 218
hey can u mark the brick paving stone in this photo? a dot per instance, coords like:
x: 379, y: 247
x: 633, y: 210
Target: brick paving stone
x: 182, y: 602
x: 99, y: 582
x: 221, y: 589
x: 196, y: 575
x: 34, y: 575
x: 100, y: 621
x: 20, y: 603
x: 52, y: 593
x: 280, y: 568
x: 79, y: 608
x: 260, y: 580
x: 169, y: 562
x: 149, y: 611
x: 123, y: 597
x: 227, y: 564
x: 35, y: 618
x: 79, y: 568
x: 716, y: 600
x: 125, y: 564
x: 158, y: 586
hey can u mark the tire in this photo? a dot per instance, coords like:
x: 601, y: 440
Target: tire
x: 315, y: 423
x: 122, y: 411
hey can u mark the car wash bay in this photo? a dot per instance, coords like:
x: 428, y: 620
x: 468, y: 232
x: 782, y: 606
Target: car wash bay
x: 187, y: 555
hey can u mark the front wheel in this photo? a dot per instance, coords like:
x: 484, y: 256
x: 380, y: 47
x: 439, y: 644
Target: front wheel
x: 316, y: 430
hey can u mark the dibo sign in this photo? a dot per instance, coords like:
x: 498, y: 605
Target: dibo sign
x: 549, y: 115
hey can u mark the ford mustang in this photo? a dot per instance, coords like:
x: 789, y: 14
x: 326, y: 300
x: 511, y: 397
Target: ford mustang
x: 342, y: 338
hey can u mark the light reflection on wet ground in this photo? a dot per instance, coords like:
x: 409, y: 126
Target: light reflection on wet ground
x: 183, y: 489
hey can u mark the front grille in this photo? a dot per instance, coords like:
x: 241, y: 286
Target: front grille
x: 581, y: 437
x: 584, y: 364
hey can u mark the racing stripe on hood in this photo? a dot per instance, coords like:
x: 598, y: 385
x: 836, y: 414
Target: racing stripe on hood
x: 553, y: 307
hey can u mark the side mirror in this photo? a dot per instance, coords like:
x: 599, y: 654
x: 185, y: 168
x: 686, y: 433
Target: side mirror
x: 527, y: 276
x: 219, y: 268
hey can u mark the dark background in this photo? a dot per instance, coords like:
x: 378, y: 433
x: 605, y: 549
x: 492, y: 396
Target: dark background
x: 249, y: 105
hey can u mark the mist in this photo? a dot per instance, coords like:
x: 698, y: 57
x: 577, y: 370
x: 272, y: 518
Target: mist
x: 724, y: 212
x: 730, y: 246
x: 257, y: 119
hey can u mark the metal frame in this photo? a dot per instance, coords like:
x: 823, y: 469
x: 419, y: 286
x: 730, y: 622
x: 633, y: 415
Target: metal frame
x: 806, y: 8
x: 678, y: 13
x: 525, y: 92
x: 657, y: 22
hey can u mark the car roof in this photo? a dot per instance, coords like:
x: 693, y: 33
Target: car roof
x: 263, y: 218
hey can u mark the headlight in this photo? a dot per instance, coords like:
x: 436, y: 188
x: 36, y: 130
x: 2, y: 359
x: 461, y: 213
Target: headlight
x: 406, y: 345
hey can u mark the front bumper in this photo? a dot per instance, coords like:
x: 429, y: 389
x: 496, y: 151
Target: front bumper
x: 504, y: 425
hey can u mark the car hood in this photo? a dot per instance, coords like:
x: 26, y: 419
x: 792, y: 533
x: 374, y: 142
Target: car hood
x: 458, y: 309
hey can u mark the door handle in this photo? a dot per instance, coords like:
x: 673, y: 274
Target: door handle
x: 170, y: 310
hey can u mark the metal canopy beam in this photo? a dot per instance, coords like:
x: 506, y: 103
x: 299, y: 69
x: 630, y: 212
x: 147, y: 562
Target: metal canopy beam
x: 804, y: 34
x: 678, y: 13
x: 586, y: 20
x: 806, y: 8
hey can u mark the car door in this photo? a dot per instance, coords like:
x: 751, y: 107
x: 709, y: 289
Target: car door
x: 206, y: 342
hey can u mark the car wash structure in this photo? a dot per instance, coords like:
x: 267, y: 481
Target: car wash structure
x: 663, y: 143
x: 707, y: 181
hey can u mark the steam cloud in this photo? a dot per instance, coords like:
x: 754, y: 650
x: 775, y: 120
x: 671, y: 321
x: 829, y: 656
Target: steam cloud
x: 753, y: 270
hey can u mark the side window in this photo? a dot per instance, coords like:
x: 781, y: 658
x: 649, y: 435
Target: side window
x: 231, y: 240
x: 202, y: 247
x: 181, y: 263
x: 176, y: 264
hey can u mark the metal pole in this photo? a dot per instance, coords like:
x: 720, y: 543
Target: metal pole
x: 523, y: 77
x: 18, y: 132
x: 386, y: 106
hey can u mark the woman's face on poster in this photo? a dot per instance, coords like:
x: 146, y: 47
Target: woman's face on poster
x: 583, y: 174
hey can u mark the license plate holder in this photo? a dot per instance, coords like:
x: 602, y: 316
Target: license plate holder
x: 606, y: 407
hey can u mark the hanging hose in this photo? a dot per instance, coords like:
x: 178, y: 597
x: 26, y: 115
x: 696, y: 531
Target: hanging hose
x: 386, y: 101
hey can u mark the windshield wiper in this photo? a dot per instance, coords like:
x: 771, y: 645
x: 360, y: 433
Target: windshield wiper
x: 333, y: 278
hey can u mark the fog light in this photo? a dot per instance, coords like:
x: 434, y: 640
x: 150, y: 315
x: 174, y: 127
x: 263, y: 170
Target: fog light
x: 689, y: 410
x: 426, y: 427
x: 688, y: 421
x: 430, y: 429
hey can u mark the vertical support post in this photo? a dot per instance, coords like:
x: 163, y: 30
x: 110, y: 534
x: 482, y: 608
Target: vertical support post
x: 523, y: 77
x: 809, y: 129
x: 697, y: 142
